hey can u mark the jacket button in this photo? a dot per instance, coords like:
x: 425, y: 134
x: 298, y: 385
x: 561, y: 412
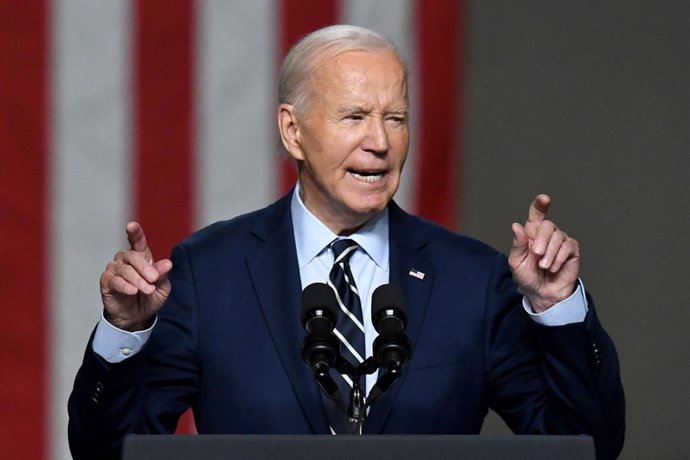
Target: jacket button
x: 96, y: 396
x: 596, y: 355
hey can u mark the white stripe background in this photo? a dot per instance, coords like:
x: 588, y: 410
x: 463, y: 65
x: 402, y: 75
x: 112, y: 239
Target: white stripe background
x: 91, y: 143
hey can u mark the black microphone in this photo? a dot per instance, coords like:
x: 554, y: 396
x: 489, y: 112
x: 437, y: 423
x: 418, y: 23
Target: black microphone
x: 392, y: 348
x: 319, y: 313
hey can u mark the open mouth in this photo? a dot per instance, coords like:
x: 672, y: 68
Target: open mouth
x: 366, y: 176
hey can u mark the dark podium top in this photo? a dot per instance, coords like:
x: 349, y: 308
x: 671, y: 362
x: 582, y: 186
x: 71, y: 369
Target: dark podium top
x: 370, y: 447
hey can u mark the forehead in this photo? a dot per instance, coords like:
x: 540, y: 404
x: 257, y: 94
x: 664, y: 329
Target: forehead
x: 360, y: 73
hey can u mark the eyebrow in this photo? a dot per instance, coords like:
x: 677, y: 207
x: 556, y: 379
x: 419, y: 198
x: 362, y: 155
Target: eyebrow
x: 360, y: 109
x: 352, y: 109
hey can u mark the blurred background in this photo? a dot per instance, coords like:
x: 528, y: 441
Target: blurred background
x: 163, y: 111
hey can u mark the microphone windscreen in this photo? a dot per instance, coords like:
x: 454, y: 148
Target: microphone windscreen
x: 318, y: 296
x: 388, y: 296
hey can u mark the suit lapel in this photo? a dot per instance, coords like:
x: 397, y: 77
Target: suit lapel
x: 406, y: 255
x: 275, y: 275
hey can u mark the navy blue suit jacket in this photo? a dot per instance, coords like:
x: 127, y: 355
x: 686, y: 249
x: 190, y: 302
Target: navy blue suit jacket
x: 227, y: 344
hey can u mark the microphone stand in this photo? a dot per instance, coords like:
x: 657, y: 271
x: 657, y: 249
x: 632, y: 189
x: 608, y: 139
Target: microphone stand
x: 357, y: 410
x: 359, y: 404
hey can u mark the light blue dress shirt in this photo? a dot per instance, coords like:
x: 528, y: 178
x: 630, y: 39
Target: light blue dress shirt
x: 369, y: 263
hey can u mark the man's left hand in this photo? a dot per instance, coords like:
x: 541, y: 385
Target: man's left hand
x: 544, y: 260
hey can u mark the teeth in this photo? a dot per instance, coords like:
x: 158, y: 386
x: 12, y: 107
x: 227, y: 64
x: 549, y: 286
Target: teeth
x: 367, y: 177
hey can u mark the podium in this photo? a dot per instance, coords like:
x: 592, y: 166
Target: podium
x: 368, y: 447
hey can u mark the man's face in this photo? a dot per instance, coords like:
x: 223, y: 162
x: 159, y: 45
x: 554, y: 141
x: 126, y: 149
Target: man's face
x: 353, y: 140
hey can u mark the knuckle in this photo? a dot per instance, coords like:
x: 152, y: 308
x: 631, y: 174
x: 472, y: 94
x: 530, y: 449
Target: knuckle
x: 110, y: 268
x: 549, y: 225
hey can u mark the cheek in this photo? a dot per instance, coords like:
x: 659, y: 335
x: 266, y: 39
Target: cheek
x: 400, y: 142
x: 323, y: 165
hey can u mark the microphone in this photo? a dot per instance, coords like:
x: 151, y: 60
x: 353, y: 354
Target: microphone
x: 320, y: 348
x: 392, y: 348
x: 319, y: 313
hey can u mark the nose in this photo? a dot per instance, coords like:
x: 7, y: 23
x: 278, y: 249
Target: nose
x: 376, y: 140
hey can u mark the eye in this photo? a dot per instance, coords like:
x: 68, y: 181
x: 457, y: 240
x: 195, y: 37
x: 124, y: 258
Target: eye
x: 354, y: 117
x: 397, y: 119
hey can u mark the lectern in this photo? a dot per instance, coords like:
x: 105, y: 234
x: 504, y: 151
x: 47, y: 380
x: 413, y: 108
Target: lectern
x: 369, y: 447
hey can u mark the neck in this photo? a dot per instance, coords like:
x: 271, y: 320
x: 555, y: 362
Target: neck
x: 342, y: 225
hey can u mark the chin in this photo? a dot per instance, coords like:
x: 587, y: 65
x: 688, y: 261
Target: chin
x: 367, y: 204
x: 371, y: 207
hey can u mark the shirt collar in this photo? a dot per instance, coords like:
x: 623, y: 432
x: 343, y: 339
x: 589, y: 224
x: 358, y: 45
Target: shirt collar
x: 312, y: 236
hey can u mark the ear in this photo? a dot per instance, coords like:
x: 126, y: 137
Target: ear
x: 289, y: 131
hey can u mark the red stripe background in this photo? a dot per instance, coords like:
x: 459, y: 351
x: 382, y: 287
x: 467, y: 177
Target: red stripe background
x: 439, y: 58
x: 164, y: 126
x: 164, y: 121
x: 24, y: 266
x: 298, y: 18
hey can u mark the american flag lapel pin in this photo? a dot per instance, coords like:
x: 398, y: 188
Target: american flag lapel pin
x: 417, y: 274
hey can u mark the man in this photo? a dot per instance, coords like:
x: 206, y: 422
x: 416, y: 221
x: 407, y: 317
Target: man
x: 217, y: 327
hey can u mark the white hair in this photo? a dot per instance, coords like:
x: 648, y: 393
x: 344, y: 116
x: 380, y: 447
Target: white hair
x: 313, y: 49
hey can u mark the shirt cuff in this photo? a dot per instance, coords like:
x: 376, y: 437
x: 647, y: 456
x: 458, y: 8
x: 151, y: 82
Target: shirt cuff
x: 568, y: 311
x: 115, y: 345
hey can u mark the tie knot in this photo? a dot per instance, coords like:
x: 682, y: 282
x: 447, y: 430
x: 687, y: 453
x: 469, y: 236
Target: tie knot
x: 343, y: 249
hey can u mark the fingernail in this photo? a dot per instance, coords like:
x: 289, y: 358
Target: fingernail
x: 543, y: 263
x: 151, y: 274
x: 539, y: 248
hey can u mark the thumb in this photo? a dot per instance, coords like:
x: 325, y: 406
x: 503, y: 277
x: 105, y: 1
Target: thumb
x: 163, y: 267
x: 520, y: 245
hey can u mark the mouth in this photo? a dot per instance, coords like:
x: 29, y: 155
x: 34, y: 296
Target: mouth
x: 366, y: 176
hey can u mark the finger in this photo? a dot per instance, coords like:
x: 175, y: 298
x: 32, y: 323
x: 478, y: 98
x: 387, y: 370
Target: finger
x: 141, y: 264
x: 133, y: 277
x: 121, y: 285
x: 520, y: 239
x: 163, y: 285
x: 544, y: 233
x: 137, y: 238
x: 552, y: 247
x: 520, y: 247
x: 569, y: 249
x: 111, y: 283
x: 539, y: 208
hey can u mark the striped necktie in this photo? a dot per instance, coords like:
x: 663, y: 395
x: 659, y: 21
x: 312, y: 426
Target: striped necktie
x: 350, y: 327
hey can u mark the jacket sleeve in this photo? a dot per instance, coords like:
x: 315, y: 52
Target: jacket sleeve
x: 552, y: 380
x: 146, y: 393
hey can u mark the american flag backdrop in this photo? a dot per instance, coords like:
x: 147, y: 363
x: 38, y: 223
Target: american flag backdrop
x: 163, y: 111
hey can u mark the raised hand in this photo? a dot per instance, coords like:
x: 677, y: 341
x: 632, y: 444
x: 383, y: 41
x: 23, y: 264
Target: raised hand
x: 134, y: 287
x: 544, y: 260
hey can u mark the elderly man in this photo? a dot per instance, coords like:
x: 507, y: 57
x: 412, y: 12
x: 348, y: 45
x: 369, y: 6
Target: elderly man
x: 217, y: 327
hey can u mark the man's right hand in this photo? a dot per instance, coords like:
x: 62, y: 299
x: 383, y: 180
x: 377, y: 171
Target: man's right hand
x: 134, y: 287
